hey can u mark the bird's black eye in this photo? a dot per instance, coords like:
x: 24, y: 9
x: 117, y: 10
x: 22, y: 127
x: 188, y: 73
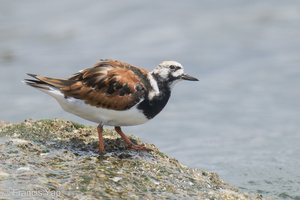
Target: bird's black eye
x: 174, y: 67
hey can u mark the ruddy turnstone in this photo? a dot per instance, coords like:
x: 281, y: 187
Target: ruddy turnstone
x: 114, y: 93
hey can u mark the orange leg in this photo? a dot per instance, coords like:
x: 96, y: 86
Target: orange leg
x: 101, y: 142
x: 128, y: 142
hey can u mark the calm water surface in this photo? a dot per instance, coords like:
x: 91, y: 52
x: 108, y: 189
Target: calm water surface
x: 240, y: 120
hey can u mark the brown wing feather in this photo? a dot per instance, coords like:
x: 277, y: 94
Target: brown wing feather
x: 108, y: 84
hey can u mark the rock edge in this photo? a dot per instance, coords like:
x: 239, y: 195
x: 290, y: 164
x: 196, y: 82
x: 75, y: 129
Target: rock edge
x: 57, y: 159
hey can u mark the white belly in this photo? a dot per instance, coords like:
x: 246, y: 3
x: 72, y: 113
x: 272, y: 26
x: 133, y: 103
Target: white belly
x: 99, y: 115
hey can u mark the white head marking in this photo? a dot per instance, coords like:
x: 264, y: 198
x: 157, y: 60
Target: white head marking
x: 169, y: 71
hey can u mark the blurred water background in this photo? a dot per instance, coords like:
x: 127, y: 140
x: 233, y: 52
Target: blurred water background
x: 240, y: 120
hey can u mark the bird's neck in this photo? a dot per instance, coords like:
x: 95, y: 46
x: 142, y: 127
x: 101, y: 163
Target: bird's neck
x: 156, y: 99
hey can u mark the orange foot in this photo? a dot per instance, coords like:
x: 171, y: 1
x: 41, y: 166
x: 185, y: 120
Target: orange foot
x: 139, y: 147
x: 102, y: 151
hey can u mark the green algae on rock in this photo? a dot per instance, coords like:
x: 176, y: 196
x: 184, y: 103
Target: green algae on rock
x: 57, y: 159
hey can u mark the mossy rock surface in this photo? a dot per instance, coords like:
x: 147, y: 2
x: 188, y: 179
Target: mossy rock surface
x: 58, y: 159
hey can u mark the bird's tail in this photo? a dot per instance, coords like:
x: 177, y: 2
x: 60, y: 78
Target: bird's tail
x: 46, y: 83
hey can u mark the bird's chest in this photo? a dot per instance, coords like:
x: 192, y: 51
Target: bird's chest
x: 151, y: 107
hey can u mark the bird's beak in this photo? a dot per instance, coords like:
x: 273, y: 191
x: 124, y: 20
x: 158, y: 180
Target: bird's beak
x: 188, y: 78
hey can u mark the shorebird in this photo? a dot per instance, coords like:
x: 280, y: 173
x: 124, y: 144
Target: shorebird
x: 114, y: 93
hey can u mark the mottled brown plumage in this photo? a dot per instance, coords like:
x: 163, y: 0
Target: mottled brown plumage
x: 108, y: 84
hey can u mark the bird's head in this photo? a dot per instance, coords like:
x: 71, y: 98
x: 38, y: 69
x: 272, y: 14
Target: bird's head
x: 171, y: 72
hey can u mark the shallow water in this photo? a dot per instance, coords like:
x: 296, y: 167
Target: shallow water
x: 240, y: 120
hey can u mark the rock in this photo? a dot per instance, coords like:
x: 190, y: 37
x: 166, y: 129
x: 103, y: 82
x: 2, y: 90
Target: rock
x: 57, y: 159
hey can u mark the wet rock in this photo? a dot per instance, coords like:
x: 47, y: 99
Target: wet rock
x: 58, y: 159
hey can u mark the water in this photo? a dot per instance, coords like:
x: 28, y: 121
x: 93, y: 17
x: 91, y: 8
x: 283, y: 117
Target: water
x: 240, y: 120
